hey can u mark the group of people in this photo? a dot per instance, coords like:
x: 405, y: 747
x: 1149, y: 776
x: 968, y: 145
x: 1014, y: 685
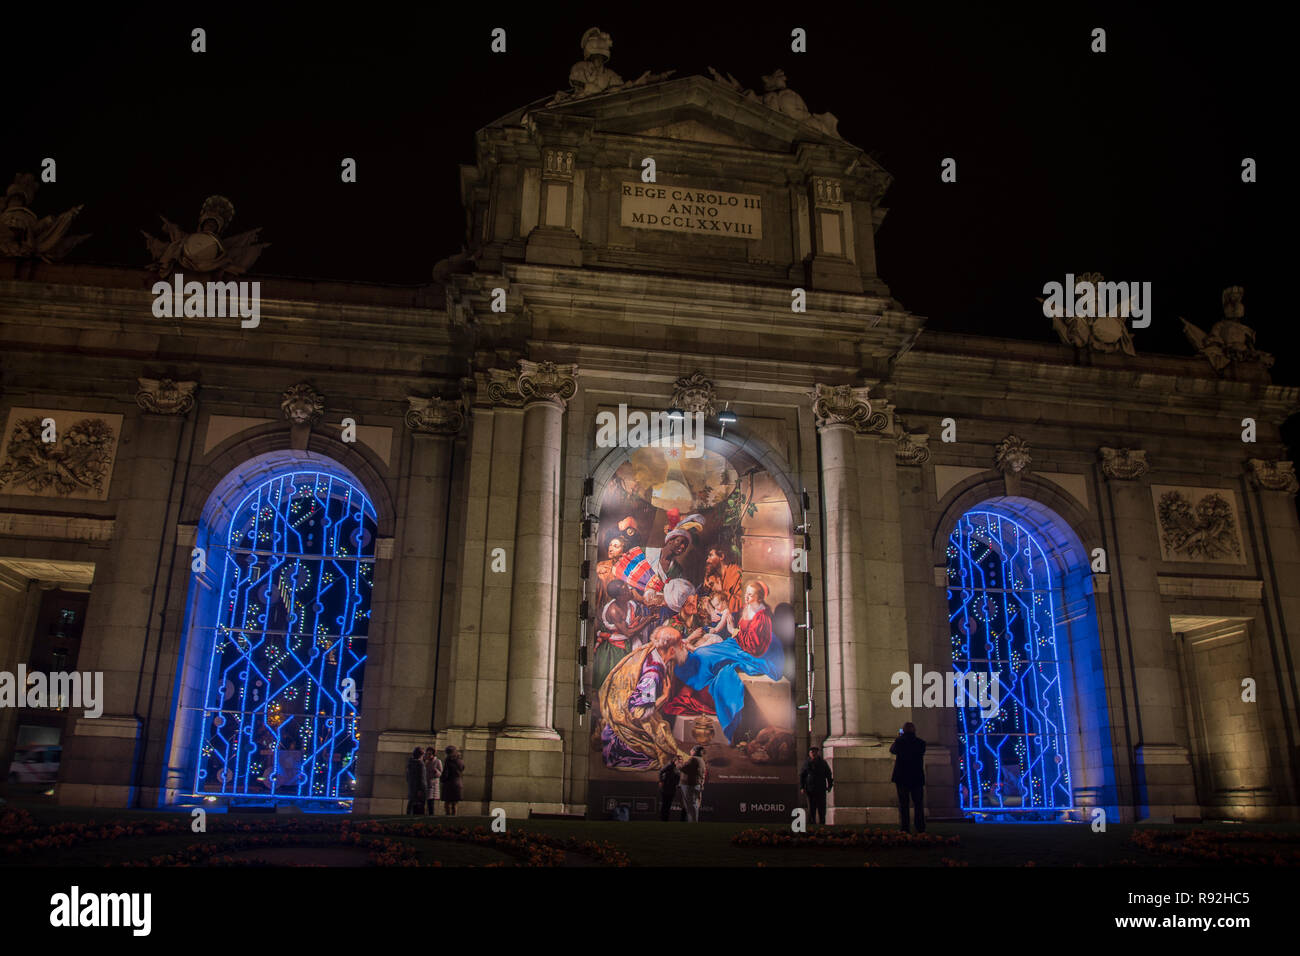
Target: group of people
x: 816, y: 779
x: 430, y: 779
x: 668, y: 647
x: 684, y: 779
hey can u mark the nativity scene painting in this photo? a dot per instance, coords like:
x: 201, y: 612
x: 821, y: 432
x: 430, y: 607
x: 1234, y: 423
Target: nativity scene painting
x: 695, y: 630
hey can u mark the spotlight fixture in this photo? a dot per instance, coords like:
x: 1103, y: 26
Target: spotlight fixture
x: 727, y: 417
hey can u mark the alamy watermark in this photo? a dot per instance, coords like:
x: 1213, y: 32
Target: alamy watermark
x: 1088, y: 299
x: 208, y: 300
x: 59, y: 689
x: 637, y: 429
x: 936, y: 689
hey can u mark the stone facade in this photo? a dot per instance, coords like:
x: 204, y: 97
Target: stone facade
x: 561, y: 309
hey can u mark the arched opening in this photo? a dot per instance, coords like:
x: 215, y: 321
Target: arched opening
x: 693, y: 594
x: 270, y: 684
x: 1033, y: 737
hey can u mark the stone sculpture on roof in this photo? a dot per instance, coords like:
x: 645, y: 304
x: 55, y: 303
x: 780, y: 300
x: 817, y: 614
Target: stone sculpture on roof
x: 590, y: 76
x: 23, y: 236
x: 1230, y: 345
x: 205, y: 251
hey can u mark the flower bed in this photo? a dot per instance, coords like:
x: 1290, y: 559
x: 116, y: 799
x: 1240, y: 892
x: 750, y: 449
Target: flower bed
x: 1221, y: 846
x: 841, y: 838
x: 531, y: 849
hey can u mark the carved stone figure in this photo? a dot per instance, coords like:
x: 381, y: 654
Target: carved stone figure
x: 1012, y: 455
x: 164, y: 396
x: 302, y: 404
x: 694, y: 393
x: 1100, y: 333
x: 591, y: 76
x: 23, y: 236
x: 777, y: 96
x: 1230, y: 346
x: 205, y: 251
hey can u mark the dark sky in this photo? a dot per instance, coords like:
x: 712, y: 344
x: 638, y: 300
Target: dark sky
x: 1127, y: 163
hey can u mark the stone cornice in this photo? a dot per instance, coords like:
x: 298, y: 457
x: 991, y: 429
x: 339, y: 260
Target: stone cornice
x: 1181, y: 386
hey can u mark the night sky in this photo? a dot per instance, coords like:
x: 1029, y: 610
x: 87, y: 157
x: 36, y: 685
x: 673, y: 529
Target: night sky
x: 1127, y: 162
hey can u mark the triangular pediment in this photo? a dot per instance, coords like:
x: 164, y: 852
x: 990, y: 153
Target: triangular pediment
x: 694, y: 109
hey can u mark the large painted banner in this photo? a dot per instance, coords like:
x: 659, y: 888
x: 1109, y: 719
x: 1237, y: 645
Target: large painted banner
x: 694, y: 639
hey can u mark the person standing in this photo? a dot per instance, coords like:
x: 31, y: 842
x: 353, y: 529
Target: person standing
x: 433, y: 769
x: 694, y: 774
x: 815, y: 781
x: 909, y: 774
x: 417, y: 782
x: 453, y: 772
x: 669, y: 778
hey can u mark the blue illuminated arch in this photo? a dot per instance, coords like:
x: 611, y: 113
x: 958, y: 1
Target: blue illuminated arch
x: 1003, y: 608
x: 277, y: 631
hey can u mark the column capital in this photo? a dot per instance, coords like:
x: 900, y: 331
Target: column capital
x: 162, y: 396
x: 1124, y: 464
x: 547, y: 382
x: 1273, y: 475
x: 846, y: 405
x: 435, y: 416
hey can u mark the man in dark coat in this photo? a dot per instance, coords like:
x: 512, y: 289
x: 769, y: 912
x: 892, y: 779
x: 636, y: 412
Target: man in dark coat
x: 909, y: 774
x: 815, y: 781
x: 417, y: 782
x: 669, y: 777
x: 453, y: 771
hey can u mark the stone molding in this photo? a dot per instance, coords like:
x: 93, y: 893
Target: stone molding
x: 1273, y: 475
x: 163, y: 396
x: 1012, y: 455
x: 302, y: 404
x: 1238, y: 589
x: 1124, y: 464
x: 19, y: 525
x: 435, y: 416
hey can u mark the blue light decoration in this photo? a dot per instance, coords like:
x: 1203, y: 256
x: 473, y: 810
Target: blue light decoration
x: 279, y: 720
x: 1002, y: 613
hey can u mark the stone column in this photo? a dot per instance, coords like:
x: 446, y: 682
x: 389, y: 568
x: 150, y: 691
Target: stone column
x: 528, y: 755
x: 407, y: 682
x: 858, y: 661
x: 99, y: 754
x: 530, y: 673
x: 1166, y: 787
x: 839, y: 412
x: 1275, y: 486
